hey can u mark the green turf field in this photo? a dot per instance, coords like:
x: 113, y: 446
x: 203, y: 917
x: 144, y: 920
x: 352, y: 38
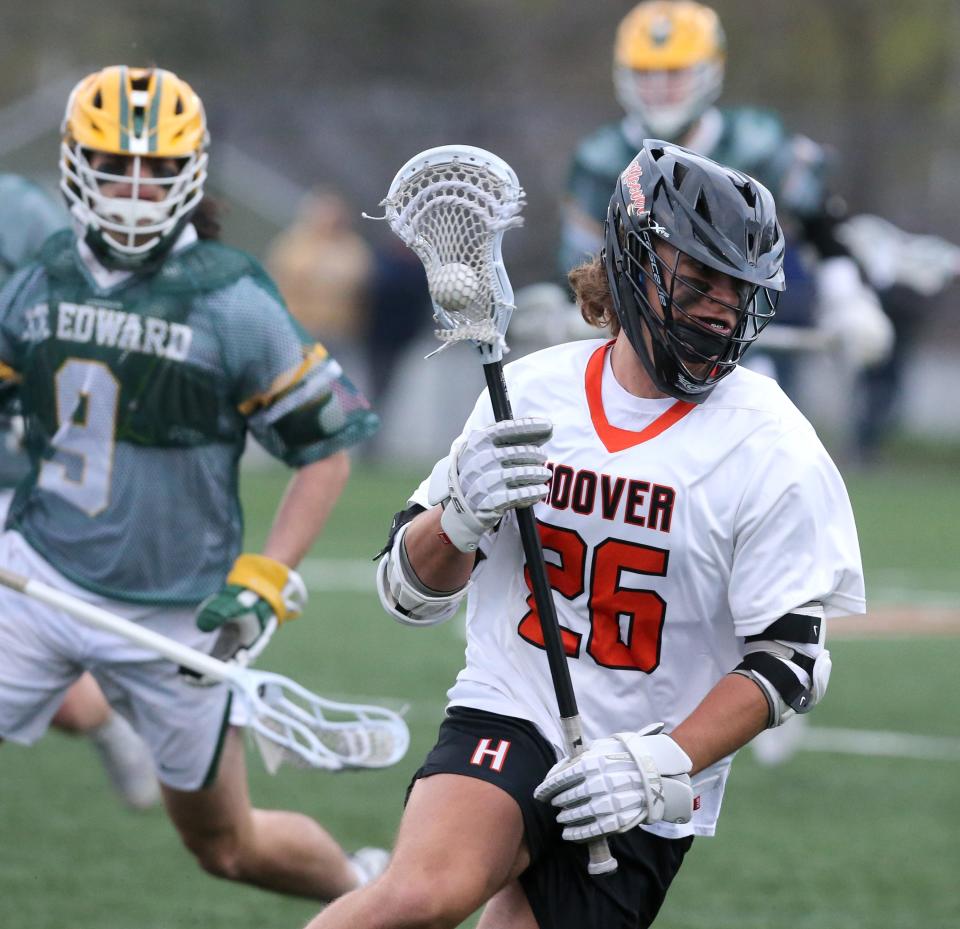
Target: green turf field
x: 827, y: 841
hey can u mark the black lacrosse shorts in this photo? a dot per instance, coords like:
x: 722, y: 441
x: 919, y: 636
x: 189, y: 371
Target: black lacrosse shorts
x: 511, y: 754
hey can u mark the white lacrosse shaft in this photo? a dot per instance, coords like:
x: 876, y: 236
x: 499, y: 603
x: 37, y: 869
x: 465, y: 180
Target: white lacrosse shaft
x: 452, y: 205
x: 283, y: 713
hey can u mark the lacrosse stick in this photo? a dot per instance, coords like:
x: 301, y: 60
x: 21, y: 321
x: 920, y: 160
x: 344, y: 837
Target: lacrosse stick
x: 781, y: 338
x: 289, y: 722
x: 452, y: 205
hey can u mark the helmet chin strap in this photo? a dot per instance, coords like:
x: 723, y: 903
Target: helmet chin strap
x: 114, y: 260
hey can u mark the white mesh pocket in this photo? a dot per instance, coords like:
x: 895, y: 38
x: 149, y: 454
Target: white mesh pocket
x: 452, y: 205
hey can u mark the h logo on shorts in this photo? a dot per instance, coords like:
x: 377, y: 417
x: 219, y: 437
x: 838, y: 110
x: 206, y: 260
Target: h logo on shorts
x: 496, y: 755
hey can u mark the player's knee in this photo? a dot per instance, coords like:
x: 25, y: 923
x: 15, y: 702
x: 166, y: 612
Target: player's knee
x: 423, y: 901
x: 218, y: 855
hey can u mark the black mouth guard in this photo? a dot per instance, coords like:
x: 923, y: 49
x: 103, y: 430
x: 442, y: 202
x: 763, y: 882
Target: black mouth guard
x: 697, y: 345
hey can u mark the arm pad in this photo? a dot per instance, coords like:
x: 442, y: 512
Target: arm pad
x: 789, y: 663
x: 405, y: 597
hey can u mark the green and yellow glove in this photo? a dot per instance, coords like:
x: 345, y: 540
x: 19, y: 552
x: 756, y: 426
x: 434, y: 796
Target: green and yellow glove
x: 259, y: 595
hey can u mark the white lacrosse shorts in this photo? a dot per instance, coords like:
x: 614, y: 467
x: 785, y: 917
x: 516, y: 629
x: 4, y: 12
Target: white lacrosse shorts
x: 43, y: 651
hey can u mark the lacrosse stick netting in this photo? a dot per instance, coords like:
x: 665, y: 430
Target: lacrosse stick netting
x: 291, y: 724
x: 451, y: 205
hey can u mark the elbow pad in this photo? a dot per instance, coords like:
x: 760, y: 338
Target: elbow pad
x: 789, y: 663
x: 405, y: 597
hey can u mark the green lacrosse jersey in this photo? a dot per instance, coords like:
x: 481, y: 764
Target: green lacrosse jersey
x: 745, y: 138
x: 27, y: 216
x: 137, y: 401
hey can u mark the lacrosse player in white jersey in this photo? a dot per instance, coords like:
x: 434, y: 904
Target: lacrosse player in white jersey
x: 697, y: 537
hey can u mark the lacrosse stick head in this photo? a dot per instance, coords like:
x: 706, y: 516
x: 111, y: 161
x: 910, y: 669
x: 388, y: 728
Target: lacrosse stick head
x: 292, y: 725
x: 452, y: 205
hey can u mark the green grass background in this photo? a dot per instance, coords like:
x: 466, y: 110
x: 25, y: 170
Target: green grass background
x: 827, y: 841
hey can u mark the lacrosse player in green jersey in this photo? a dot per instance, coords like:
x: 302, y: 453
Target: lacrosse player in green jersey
x: 669, y: 62
x: 142, y: 352
x: 27, y: 217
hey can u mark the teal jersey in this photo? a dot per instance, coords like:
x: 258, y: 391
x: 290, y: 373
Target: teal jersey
x: 750, y: 140
x: 137, y: 401
x: 27, y: 217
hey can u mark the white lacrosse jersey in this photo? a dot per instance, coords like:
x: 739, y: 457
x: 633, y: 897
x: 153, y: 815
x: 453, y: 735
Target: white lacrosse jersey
x: 671, y: 531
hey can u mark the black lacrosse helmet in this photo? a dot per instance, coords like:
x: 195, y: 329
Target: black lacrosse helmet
x: 717, y: 216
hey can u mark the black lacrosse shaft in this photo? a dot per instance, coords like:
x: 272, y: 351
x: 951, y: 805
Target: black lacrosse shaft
x: 601, y: 861
x: 533, y: 552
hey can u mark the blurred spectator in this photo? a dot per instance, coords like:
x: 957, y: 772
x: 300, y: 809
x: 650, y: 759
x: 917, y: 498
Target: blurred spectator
x: 400, y: 308
x: 323, y: 267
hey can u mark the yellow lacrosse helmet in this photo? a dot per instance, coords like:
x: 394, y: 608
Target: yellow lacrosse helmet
x: 668, y: 64
x: 147, y: 116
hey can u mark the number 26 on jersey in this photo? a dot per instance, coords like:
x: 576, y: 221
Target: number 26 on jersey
x: 625, y: 623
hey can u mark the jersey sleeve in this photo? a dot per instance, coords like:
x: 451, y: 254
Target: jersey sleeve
x: 298, y: 402
x: 795, y: 540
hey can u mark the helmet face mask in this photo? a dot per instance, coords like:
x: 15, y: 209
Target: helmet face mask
x: 668, y: 65
x: 693, y: 256
x: 133, y: 162
x: 666, y: 103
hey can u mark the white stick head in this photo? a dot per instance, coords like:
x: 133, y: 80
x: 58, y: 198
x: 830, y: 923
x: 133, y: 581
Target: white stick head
x: 451, y: 205
x: 291, y: 724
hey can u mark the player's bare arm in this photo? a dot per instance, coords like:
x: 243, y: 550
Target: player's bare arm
x: 435, y: 561
x: 728, y: 717
x: 309, y: 499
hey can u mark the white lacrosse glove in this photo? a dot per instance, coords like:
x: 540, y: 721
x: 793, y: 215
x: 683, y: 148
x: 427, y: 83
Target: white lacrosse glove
x: 495, y: 469
x: 620, y: 782
x: 259, y: 595
x: 850, y: 310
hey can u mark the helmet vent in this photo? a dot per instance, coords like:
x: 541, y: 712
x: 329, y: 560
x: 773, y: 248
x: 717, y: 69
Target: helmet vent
x: 98, y: 101
x: 178, y: 107
x: 702, y: 207
x: 679, y: 173
x: 748, y: 194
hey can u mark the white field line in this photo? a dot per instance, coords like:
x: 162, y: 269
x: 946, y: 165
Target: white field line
x: 343, y: 575
x: 911, y: 596
x: 356, y: 575
x: 880, y: 744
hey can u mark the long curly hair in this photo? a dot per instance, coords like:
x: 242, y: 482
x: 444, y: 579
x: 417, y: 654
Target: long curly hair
x: 592, y: 290
x: 206, y: 218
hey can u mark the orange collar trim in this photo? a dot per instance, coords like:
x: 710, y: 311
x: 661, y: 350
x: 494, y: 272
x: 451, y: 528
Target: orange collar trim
x: 614, y: 438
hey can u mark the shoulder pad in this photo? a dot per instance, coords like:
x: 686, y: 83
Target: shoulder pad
x: 750, y: 137
x: 57, y: 255
x: 207, y: 266
x: 605, y: 152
